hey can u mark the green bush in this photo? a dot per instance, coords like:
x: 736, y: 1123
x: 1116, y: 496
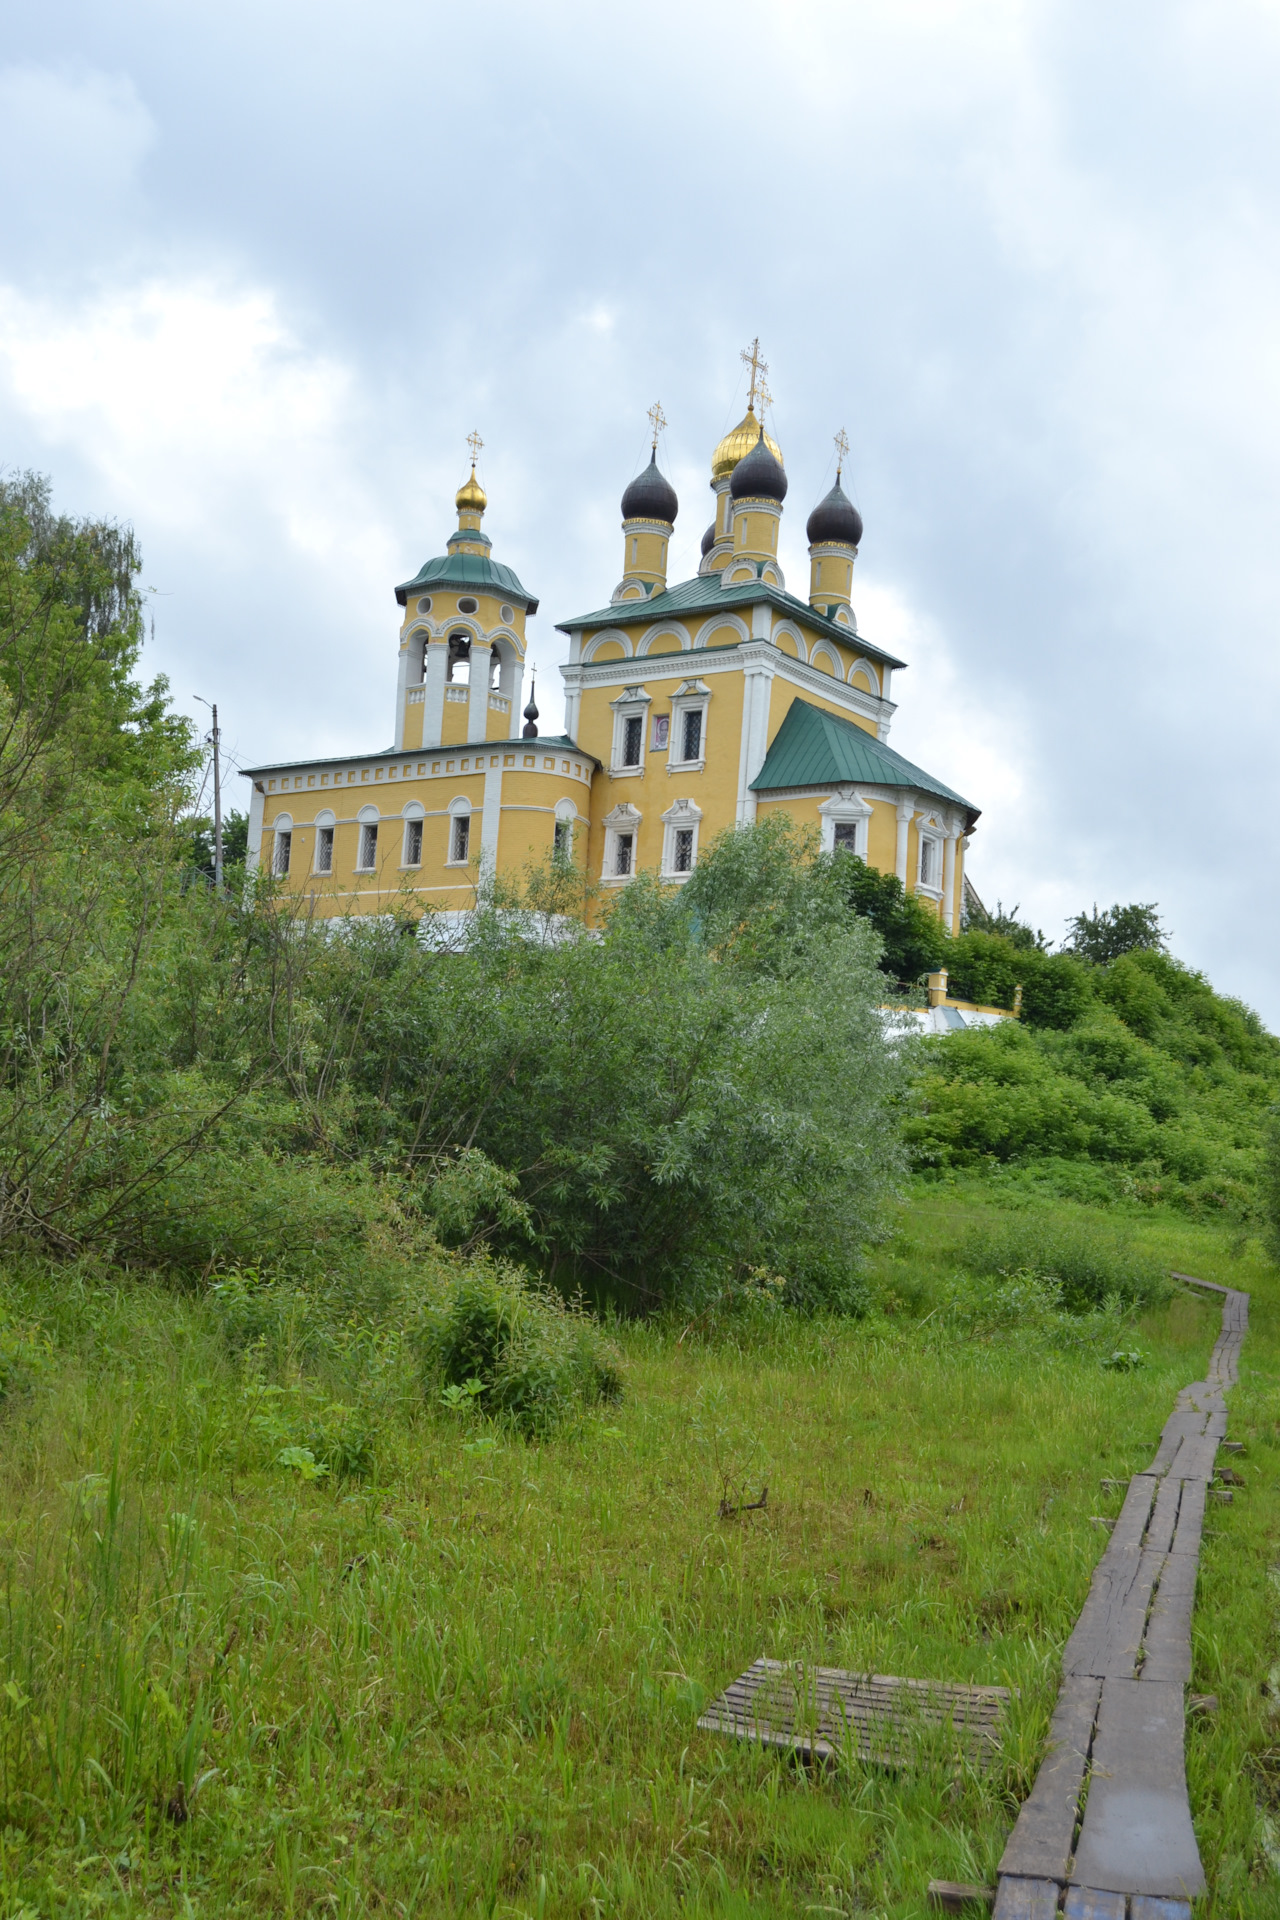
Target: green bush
x: 1090, y: 1267
x: 989, y: 968
x: 525, y: 1354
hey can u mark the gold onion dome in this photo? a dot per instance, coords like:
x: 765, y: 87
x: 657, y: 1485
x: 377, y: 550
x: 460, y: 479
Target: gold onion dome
x: 471, y: 496
x: 737, y: 445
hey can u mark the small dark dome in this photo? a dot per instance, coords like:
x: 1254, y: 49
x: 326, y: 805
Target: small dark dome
x: 708, y: 539
x: 835, y: 518
x: 530, y: 731
x: 650, y: 496
x: 759, y: 475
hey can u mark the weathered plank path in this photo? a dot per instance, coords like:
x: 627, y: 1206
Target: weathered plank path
x: 1108, y: 1822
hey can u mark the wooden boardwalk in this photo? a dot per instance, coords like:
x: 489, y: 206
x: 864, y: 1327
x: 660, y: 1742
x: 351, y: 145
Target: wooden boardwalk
x: 1107, y: 1823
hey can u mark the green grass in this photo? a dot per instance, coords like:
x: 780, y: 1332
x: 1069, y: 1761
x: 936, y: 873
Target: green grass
x: 470, y: 1683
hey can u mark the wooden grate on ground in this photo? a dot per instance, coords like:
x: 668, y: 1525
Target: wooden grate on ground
x: 819, y: 1712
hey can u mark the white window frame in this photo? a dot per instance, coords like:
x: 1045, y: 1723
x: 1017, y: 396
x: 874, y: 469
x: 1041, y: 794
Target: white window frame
x: 681, y: 816
x: 282, y: 845
x: 930, y: 834
x: 623, y: 820
x: 849, y: 809
x: 691, y: 696
x: 631, y: 704
x: 326, y: 823
x: 460, y: 809
x: 412, y: 821
x: 566, y: 817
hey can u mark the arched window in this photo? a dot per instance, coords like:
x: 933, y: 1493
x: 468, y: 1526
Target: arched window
x: 459, y: 674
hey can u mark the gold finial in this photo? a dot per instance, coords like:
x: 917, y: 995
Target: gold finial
x: 657, y: 420
x: 750, y: 357
x: 842, y: 452
x: 471, y: 496
x: 475, y: 443
x: 763, y: 395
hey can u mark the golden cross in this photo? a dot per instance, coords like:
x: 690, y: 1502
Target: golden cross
x: 842, y: 451
x: 657, y: 420
x: 763, y: 396
x: 475, y: 443
x: 757, y: 365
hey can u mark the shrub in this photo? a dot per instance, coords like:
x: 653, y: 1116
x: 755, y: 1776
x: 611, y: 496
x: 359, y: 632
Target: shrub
x: 1090, y: 1267
x: 988, y: 968
x: 536, y: 1358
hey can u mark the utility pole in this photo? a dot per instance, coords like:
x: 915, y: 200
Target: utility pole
x: 215, y: 738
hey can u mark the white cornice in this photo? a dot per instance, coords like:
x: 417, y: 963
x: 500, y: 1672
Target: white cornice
x: 613, y: 673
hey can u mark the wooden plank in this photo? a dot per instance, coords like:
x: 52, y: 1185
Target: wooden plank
x: 1090, y: 1903
x: 1164, y: 1517
x: 1195, y: 1459
x: 1039, y: 1848
x: 1186, y: 1538
x: 1147, y: 1906
x: 1018, y: 1899
x: 1108, y: 1634
x: 1137, y: 1835
x: 953, y: 1896
x: 1214, y: 1286
x: 1167, y: 1644
x: 1132, y: 1519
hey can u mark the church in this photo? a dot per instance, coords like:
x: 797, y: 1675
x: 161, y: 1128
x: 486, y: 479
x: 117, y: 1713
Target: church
x: 691, y: 707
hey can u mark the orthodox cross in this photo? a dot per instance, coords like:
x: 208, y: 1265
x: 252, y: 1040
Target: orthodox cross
x: 657, y: 420
x: 842, y: 452
x: 751, y: 358
x: 763, y: 396
x: 475, y: 443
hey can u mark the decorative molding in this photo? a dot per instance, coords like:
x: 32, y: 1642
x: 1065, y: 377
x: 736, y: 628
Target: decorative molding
x: 610, y: 633
x: 677, y: 627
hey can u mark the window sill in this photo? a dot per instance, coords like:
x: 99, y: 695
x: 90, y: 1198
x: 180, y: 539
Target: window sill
x: 365, y: 869
x: 410, y: 866
x: 625, y: 773
x: 686, y: 766
x: 463, y: 864
x: 676, y: 879
x: 616, y: 879
x: 930, y: 893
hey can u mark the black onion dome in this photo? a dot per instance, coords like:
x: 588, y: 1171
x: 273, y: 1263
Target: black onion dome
x: 530, y: 731
x: 835, y: 518
x: 650, y: 496
x: 758, y: 475
x: 708, y: 539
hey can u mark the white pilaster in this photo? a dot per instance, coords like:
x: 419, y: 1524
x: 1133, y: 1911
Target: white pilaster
x: 433, y: 705
x: 257, y: 804
x: 407, y: 650
x: 757, y: 690
x: 949, y: 880
x: 905, y: 811
x: 478, y: 705
x: 491, y: 817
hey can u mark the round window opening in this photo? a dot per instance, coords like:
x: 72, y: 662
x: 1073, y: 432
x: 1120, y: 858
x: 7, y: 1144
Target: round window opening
x: 424, y: 606
x: 466, y: 606
x: 508, y: 615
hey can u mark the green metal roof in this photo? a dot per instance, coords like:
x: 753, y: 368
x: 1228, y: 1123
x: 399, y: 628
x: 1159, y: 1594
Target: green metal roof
x: 705, y: 593
x: 468, y: 570
x: 816, y: 749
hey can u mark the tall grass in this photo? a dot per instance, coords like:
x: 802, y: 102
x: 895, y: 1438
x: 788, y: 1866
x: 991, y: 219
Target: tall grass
x: 469, y: 1680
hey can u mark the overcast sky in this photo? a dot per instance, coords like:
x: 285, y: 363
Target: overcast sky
x: 263, y: 266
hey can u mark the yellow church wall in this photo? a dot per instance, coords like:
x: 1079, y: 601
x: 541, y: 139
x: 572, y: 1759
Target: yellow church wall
x: 609, y: 650
x: 882, y: 837
x: 784, y: 691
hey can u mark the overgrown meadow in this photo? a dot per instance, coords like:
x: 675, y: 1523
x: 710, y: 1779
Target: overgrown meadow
x: 431, y: 1369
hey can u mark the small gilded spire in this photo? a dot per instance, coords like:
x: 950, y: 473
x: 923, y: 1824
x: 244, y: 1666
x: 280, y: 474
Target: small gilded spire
x: 471, y: 496
x: 531, y: 712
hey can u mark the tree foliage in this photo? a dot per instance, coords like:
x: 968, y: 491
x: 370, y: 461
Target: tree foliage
x: 1106, y: 936
x: 914, y: 940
